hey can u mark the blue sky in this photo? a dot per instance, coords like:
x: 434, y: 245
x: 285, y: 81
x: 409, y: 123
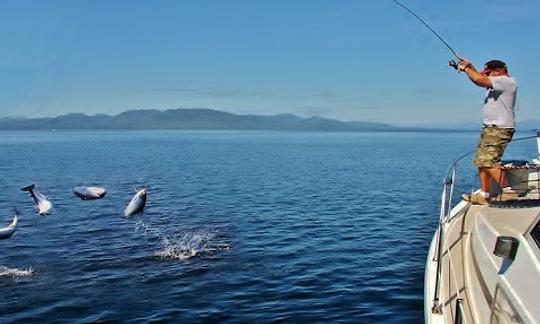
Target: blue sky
x: 350, y: 60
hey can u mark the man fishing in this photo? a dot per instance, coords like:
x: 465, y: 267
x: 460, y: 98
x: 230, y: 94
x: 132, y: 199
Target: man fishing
x: 498, y: 124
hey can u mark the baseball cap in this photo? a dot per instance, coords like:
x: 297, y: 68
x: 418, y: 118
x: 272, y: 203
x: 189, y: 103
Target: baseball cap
x: 492, y: 65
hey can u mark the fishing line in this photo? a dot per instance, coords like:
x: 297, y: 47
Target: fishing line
x: 429, y: 27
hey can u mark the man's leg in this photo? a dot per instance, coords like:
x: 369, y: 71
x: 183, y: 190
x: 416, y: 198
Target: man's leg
x: 498, y: 175
x: 488, y: 174
x: 485, y: 179
x: 491, y: 146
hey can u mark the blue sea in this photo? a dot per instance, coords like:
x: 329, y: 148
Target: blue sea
x: 239, y: 226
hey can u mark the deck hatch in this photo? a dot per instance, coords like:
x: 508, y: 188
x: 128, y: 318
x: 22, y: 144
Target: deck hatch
x: 506, y: 247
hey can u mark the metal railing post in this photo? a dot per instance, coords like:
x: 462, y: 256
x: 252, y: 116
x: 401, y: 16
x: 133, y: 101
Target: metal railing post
x: 538, y: 142
x: 459, y: 312
x: 438, y: 253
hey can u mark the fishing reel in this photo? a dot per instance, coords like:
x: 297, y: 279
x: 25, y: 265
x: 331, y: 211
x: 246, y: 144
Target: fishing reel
x: 453, y: 64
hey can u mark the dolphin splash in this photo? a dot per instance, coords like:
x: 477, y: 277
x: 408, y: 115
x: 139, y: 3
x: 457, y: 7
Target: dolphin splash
x: 5, y: 271
x: 6, y: 232
x: 137, y: 203
x: 43, y: 205
x: 89, y: 193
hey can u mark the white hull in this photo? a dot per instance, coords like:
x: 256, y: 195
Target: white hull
x: 483, y: 264
x: 429, y: 285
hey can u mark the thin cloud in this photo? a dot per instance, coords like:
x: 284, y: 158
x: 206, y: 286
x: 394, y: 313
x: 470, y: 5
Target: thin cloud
x: 491, y: 13
x: 214, y: 93
x: 223, y: 93
x: 319, y: 110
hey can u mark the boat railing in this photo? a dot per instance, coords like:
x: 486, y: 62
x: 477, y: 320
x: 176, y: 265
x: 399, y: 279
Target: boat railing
x: 445, y: 214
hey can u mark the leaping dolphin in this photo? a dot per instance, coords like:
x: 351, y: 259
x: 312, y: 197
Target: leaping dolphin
x: 89, y: 193
x: 43, y: 205
x: 6, y: 232
x: 137, y: 203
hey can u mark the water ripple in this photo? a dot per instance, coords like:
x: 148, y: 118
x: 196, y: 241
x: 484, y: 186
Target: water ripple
x: 239, y: 226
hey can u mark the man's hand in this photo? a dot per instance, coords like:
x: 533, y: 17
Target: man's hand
x: 463, y: 64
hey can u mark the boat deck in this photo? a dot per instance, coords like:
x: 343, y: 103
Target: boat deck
x: 466, y: 256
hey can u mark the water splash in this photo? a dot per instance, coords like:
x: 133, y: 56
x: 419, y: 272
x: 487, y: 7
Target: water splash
x: 184, y: 245
x: 15, y: 273
x: 188, y: 245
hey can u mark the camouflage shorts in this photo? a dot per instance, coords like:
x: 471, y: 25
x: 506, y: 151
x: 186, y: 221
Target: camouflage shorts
x: 493, y: 142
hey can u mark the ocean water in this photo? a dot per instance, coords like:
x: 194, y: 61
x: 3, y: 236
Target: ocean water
x: 238, y: 227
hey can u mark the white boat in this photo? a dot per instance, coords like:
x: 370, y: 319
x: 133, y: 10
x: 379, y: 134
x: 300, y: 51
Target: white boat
x: 483, y: 264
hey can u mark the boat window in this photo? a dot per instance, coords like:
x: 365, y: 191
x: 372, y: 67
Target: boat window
x: 536, y: 234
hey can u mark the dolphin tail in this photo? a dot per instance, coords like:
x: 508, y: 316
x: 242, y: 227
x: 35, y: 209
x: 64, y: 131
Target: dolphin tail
x: 29, y: 188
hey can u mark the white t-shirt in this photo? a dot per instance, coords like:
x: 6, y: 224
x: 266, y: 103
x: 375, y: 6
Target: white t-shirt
x: 500, y: 102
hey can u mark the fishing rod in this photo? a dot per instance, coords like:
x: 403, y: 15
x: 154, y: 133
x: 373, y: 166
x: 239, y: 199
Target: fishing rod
x: 452, y: 63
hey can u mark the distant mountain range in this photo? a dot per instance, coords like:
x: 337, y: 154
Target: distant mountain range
x: 206, y: 119
x: 192, y: 119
